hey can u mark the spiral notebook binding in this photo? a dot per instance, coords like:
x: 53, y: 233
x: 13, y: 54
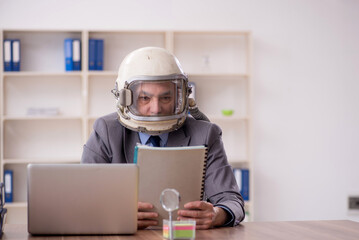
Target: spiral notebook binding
x: 204, y: 173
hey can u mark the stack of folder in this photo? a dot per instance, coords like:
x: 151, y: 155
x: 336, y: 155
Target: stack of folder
x: 72, y: 47
x: 11, y: 55
x: 242, y: 178
x: 8, y: 180
x: 96, y: 54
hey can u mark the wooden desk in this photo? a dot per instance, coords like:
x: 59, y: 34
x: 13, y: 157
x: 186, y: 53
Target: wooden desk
x: 301, y: 230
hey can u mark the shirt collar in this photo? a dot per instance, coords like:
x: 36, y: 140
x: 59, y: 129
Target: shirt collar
x: 144, y: 138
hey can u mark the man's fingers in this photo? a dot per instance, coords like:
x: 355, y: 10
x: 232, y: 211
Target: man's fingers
x: 195, y: 205
x: 144, y: 205
x: 189, y: 213
x: 195, y: 214
x: 146, y: 219
x: 200, y: 211
x: 199, y: 205
x: 146, y: 215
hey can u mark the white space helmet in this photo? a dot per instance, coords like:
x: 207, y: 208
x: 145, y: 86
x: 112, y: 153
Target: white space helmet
x: 151, y: 91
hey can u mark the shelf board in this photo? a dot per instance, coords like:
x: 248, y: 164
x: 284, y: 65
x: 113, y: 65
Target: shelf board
x: 41, y: 74
x: 16, y: 205
x: 94, y: 73
x: 49, y: 30
x: 57, y: 117
x: 239, y: 163
x: 127, y: 31
x: 93, y: 118
x: 218, y: 32
x: 27, y: 161
x: 233, y: 118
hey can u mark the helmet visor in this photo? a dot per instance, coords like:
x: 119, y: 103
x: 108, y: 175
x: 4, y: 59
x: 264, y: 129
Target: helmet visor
x: 157, y: 98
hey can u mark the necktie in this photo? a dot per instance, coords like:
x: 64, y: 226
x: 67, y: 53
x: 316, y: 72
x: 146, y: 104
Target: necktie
x: 155, y: 140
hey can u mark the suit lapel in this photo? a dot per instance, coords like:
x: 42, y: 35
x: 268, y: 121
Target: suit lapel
x: 178, y: 138
x: 130, y: 140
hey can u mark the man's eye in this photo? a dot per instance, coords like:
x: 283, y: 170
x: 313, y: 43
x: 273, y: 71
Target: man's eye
x: 144, y: 98
x: 166, y: 99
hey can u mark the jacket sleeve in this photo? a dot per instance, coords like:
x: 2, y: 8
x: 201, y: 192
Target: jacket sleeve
x: 221, y: 188
x: 97, y: 148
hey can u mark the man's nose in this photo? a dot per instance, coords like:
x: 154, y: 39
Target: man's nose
x: 155, y: 106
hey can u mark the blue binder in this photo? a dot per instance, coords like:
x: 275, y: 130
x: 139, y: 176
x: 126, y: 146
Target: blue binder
x: 8, y: 180
x: 68, y: 54
x: 92, y: 54
x: 76, y: 54
x: 7, y: 55
x: 16, y: 54
x: 245, y: 184
x: 99, y: 54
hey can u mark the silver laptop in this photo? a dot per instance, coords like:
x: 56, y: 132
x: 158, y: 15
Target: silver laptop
x: 82, y: 198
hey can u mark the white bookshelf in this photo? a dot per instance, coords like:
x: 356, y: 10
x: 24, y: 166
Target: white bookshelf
x: 218, y: 63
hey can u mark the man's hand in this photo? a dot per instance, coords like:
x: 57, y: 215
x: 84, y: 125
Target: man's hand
x: 146, y: 218
x: 205, y: 215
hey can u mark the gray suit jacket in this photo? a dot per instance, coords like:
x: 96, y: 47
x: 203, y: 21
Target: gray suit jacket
x: 110, y: 142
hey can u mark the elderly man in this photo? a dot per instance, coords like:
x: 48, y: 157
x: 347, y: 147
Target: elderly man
x: 152, y: 108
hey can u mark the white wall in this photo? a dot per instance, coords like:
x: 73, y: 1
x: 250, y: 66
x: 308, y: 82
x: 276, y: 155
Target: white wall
x: 305, y: 85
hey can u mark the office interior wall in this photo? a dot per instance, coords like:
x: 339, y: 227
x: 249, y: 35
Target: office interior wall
x: 305, y: 86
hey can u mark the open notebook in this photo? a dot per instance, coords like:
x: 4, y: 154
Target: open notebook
x: 181, y: 168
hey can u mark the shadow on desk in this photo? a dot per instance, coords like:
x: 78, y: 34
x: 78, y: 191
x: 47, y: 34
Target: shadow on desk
x: 296, y: 230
